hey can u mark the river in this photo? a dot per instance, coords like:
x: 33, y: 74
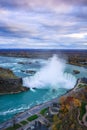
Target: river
x: 12, y: 104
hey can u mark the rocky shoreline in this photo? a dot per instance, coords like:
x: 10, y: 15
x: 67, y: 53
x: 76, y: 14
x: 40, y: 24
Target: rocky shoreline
x: 23, y: 90
x: 10, y: 83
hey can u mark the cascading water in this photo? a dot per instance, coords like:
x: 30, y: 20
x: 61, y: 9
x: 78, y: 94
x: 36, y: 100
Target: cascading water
x: 51, y: 76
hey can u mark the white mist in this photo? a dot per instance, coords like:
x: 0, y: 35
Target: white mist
x: 51, y: 76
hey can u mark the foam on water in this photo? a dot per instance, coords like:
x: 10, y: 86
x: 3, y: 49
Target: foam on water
x: 51, y: 76
x: 11, y: 111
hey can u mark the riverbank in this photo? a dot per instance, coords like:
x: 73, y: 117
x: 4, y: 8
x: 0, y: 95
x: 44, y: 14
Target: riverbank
x: 24, y: 90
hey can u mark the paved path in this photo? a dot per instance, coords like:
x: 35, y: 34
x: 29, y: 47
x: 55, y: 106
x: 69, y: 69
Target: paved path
x: 85, y: 116
x: 80, y: 122
x: 84, y: 120
x: 43, y: 120
x: 30, y: 124
x: 54, y: 112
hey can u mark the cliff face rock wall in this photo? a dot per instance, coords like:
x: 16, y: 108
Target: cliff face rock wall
x: 9, y: 83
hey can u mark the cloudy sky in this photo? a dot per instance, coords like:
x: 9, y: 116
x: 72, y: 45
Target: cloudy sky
x: 45, y: 24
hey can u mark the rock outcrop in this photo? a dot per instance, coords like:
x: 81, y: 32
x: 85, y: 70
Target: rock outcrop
x: 9, y: 83
x: 76, y: 71
x: 29, y: 71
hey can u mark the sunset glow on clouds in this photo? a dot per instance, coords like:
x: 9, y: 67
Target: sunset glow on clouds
x: 60, y: 24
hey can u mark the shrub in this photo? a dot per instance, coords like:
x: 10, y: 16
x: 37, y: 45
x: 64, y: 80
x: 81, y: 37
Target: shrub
x: 82, y: 110
x: 23, y: 122
x: 42, y: 112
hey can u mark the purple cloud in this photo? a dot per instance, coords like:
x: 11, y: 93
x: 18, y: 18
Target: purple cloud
x: 46, y: 23
x: 40, y: 3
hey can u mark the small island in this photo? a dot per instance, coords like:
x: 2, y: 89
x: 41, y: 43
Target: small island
x: 76, y: 71
x: 10, y: 83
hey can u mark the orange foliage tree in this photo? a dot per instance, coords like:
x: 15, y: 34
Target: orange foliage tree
x: 68, y: 103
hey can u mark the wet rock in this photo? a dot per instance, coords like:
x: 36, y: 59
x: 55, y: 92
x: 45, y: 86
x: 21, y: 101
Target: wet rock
x: 29, y: 71
x: 76, y: 71
x: 24, y: 63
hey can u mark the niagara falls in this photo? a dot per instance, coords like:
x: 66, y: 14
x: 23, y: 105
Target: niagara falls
x: 43, y: 64
x: 52, y: 75
x: 46, y: 78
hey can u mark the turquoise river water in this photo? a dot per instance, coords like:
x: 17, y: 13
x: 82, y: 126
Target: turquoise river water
x: 12, y: 104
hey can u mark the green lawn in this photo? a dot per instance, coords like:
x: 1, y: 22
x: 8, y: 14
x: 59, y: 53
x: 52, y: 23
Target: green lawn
x: 82, y: 85
x: 43, y: 111
x: 31, y: 118
x: 24, y: 122
x: 82, y: 110
x: 14, y: 128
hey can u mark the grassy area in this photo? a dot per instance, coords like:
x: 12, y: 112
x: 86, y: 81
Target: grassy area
x: 24, y: 122
x: 14, y: 127
x: 43, y: 111
x: 82, y: 110
x: 6, y: 73
x: 82, y: 85
x: 10, y: 128
x: 31, y: 118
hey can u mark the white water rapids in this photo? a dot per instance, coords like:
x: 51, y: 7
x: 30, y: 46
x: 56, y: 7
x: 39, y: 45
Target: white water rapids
x: 51, y: 76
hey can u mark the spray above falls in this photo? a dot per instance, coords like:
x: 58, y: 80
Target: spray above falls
x: 51, y: 76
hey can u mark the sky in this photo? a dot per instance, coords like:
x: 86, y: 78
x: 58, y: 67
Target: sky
x: 43, y: 24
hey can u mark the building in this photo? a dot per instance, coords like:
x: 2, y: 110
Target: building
x: 38, y: 126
